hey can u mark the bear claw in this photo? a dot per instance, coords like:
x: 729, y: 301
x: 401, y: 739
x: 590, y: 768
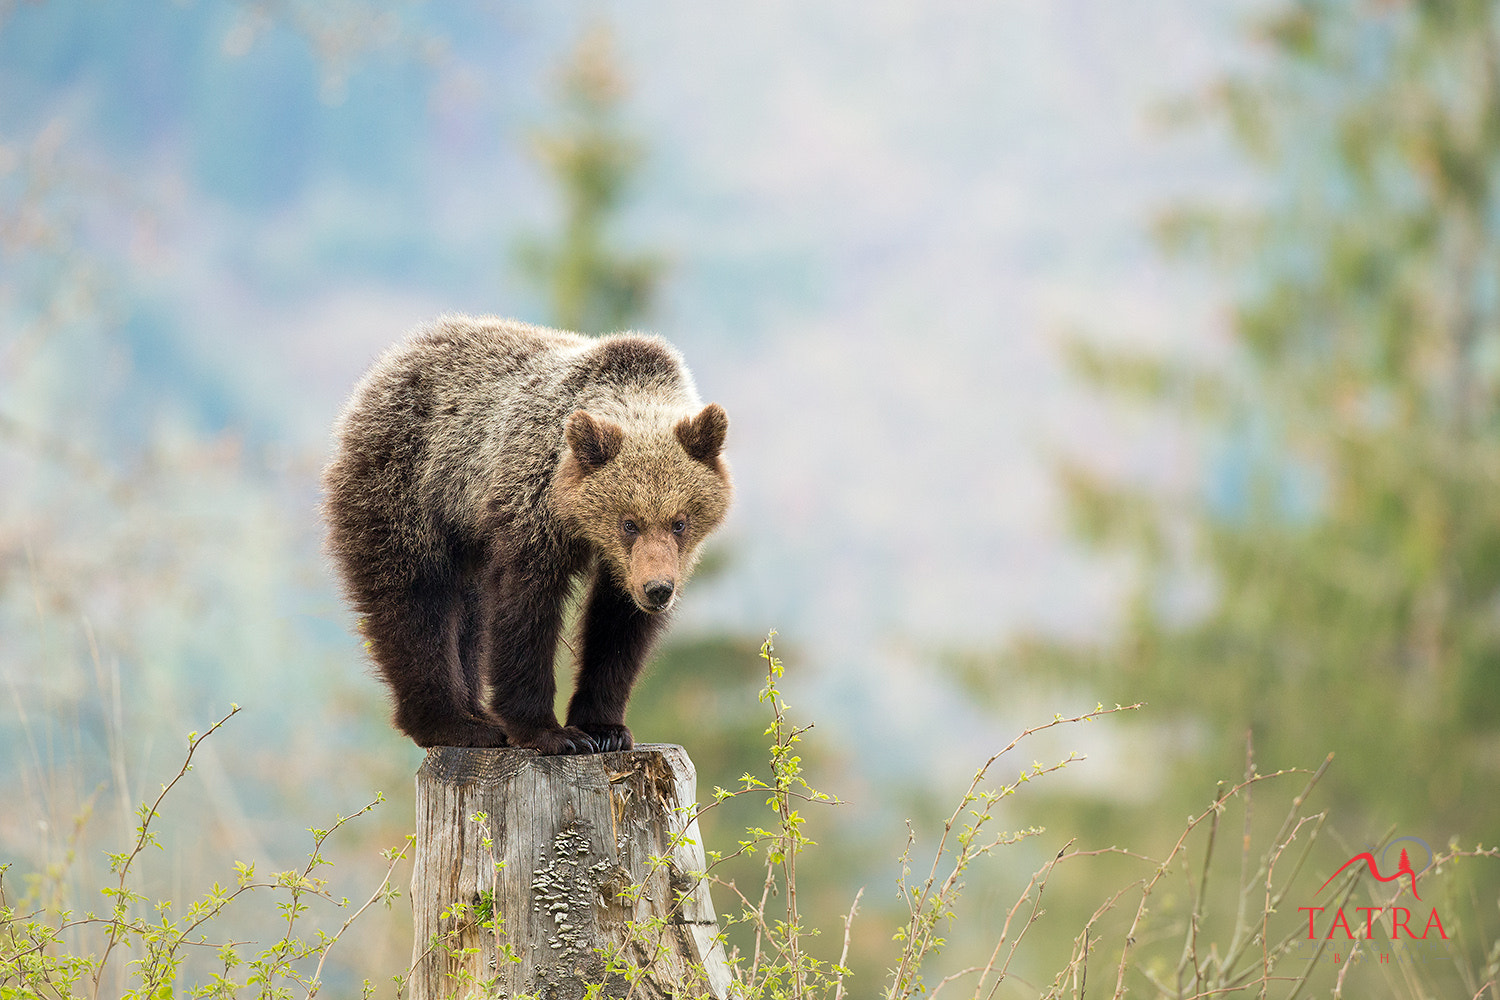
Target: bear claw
x: 609, y: 738
x: 560, y: 741
x: 579, y: 745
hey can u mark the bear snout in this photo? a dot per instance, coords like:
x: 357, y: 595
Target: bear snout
x: 659, y: 593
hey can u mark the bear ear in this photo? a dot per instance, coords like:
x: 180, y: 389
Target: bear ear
x: 703, y: 436
x: 594, y: 440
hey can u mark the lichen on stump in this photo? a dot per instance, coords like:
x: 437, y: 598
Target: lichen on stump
x: 570, y: 835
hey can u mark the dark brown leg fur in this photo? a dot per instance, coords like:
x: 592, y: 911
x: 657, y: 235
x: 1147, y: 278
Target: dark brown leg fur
x: 529, y: 592
x: 414, y: 631
x: 473, y: 642
x: 414, y: 615
x: 614, y: 639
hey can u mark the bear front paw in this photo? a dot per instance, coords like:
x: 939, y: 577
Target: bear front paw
x: 608, y: 737
x: 563, y: 740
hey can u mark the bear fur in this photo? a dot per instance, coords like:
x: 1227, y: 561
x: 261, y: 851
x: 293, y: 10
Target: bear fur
x: 484, y: 465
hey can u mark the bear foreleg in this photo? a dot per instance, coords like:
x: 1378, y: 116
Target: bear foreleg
x: 614, y: 639
x: 524, y: 628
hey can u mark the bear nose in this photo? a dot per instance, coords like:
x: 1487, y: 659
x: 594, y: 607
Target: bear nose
x: 659, y: 592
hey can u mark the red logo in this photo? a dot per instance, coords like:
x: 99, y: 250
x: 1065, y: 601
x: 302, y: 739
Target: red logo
x: 1403, y: 865
x: 1400, y: 915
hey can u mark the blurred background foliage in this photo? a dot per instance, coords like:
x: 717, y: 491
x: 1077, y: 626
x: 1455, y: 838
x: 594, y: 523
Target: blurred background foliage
x: 1335, y: 586
x: 1323, y: 577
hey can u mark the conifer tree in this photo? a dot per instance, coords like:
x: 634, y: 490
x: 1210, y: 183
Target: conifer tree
x: 591, y: 285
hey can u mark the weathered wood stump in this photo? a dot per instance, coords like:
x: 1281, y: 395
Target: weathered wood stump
x: 569, y: 835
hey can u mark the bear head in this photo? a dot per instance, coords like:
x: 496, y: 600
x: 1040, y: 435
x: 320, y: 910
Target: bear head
x: 644, y: 498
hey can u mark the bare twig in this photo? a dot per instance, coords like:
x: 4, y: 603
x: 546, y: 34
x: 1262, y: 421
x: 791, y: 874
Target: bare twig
x: 144, y: 837
x: 397, y: 856
x: 843, y: 963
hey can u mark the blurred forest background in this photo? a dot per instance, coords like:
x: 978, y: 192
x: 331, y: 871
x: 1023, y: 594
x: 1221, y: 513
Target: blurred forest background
x: 1074, y: 353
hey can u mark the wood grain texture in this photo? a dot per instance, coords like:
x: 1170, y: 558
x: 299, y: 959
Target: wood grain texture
x: 569, y: 834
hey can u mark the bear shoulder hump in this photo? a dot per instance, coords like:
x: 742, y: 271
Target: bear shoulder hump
x: 630, y: 359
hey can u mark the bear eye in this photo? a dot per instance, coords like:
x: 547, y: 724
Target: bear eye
x: 679, y: 526
x: 629, y: 527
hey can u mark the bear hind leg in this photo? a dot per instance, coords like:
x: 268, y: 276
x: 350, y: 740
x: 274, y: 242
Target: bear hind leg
x: 416, y: 634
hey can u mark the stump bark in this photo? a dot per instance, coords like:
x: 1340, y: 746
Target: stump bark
x: 568, y: 835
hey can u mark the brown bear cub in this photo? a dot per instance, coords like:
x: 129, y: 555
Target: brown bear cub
x: 482, y: 466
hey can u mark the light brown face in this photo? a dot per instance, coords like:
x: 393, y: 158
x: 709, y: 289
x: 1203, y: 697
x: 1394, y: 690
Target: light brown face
x: 654, y: 557
x: 645, y: 503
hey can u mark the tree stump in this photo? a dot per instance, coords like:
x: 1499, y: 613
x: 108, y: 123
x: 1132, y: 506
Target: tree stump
x: 569, y: 834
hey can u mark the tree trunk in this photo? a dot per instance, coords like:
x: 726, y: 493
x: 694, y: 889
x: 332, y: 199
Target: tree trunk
x: 567, y: 835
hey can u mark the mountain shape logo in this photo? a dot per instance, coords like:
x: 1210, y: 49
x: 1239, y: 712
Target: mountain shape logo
x: 1403, y: 867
